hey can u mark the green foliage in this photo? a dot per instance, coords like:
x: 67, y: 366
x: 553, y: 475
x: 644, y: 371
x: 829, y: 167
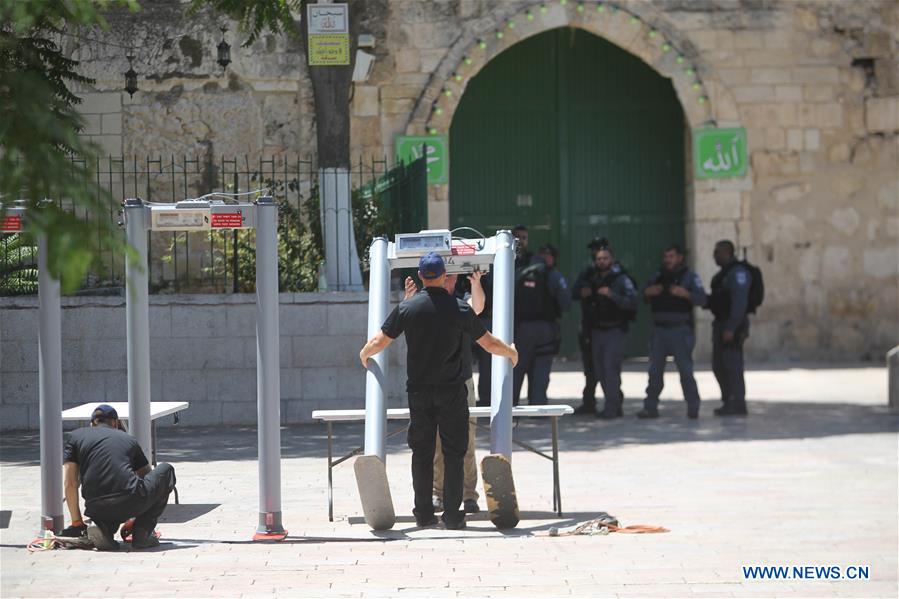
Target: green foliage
x: 18, y: 273
x: 39, y: 133
x: 255, y: 16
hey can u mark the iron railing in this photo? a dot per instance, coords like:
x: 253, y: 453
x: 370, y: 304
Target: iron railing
x: 221, y: 261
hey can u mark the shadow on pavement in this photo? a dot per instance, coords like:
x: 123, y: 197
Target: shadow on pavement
x: 179, y: 513
x: 767, y: 421
x: 5, y: 517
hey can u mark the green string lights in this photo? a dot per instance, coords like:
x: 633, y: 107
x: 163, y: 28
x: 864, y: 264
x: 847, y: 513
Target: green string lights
x: 601, y: 8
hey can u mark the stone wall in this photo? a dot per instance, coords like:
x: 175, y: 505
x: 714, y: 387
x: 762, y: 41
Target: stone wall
x: 202, y: 350
x: 815, y: 83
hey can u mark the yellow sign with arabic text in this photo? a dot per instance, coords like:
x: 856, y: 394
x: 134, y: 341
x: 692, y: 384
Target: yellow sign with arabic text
x: 329, y: 49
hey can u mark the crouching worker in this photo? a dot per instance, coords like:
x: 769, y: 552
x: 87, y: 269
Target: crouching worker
x: 117, y: 483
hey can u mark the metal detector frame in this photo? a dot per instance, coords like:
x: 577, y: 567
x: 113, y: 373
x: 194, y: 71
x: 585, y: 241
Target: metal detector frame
x: 49, y: 374
x: 202, y: 215
x: 498, y: 250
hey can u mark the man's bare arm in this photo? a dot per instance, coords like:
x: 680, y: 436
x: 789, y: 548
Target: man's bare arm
x: 142, y: 472
x: 493, y: 345
x: 478, y: 299
x: 375, y: 345
x: 70, y: 486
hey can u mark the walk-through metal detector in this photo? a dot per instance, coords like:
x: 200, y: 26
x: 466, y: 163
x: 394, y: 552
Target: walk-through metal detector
x: 49, y: 375
x: 462, y: 256
x: 206, y: 214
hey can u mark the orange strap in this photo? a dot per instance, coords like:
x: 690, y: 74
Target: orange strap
x: 636, y: 529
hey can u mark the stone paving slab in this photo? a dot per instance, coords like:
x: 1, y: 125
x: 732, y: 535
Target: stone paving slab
x: 806, y: 480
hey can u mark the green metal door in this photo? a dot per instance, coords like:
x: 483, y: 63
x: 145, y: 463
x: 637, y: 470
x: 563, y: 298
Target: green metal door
x: 575, y: 138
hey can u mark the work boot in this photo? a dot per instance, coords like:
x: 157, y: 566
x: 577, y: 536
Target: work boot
x: 647, y: 413
x: 141, y: 539
x: 102, y: 535
x: 610, y: 414
x: 453, y: 524
x: 471, y: 506
x: 437, y: 502
x: 426, y: 522
x: 588, y: 409
x: 732, y: 410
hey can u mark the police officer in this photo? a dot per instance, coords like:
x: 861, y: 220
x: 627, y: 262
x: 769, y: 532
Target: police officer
x: 522, y: 255
x: 588, y: 395
x: 482, y: 357
x: 672, y: 292
x: 541, y: 295
x: 729, y: 303
x: 435, y: 323
x: 612, y: 299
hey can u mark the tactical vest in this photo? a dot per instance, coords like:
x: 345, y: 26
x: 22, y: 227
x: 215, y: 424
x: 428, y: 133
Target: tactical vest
x: 719, y: 300
x: 533, y: 299
x: 665, y: 302
x: 606, y: 314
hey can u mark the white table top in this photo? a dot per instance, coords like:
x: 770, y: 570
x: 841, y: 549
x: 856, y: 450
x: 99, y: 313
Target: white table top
x: 403, y: 413
x: 158, y: 409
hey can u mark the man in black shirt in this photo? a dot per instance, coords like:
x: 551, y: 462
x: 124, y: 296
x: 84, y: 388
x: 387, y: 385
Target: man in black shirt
x: 117, y: 482
x: 436, y: 324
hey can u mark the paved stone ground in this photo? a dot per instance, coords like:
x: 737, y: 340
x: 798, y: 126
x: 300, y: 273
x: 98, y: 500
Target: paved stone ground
x: 809, y: 479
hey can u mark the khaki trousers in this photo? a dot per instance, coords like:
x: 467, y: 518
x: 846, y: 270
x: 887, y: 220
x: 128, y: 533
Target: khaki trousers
x: 470, y: 480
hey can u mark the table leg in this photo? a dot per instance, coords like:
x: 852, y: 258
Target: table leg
x: 557, y: 492
x: 330, y: 478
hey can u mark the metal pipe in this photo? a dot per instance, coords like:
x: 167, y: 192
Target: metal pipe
x: 268, y: 363
x: 376, y: 377
x: 137, y: 315
x: 501, y: 368
x: 50, y: 392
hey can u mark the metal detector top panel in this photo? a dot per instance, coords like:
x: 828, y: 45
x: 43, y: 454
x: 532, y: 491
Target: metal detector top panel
x: 462, y: 256
x: 201, y: 215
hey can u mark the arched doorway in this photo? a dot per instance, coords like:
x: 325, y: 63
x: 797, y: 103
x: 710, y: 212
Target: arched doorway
x: 573, y: 137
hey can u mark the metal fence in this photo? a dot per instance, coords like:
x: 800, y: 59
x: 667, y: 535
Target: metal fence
x: 222, y: 261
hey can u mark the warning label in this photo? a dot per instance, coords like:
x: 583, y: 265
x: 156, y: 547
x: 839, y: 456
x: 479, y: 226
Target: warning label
x: 463, y: 248
x: 11, y: 224
x: 227, y: 220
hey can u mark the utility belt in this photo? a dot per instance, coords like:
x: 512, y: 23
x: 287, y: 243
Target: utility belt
x: 609, y: 325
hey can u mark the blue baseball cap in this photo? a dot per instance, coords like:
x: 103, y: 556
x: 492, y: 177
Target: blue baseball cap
x: 431, y: 266
x: 104, y: 410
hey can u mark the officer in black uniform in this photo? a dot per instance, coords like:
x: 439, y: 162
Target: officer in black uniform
x: 522, y: 255
x: 672, y: 292
x: 613, y: 301
x: 588, y: 395
x: 116, y: 480
x: 435, y: 324
x: 729, y: 303
x: 541, y: 295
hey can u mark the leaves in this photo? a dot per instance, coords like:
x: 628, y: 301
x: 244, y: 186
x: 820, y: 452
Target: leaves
x: 39, y: 134
x: 255, y: 16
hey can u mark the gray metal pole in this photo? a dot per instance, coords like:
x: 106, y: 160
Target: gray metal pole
x: 503, y: 317
x: 137, y: 314
x: 50, y: 377
x: 268, y: 363
x: 376, y: 378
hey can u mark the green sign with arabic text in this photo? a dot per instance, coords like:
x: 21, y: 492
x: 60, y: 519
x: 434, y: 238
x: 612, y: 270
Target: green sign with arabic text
x: 410, y: 147
x: 720, y: 153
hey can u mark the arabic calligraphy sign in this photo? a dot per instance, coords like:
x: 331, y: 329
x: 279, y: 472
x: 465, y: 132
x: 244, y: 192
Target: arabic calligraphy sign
x: 719, y: 153
x: 409, y: 148
x: 329, y: 34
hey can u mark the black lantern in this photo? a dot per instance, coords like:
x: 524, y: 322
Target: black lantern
x: 224, y: 54
x: 130, y: 77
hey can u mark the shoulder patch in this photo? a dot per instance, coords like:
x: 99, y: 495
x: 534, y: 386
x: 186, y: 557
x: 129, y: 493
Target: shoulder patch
x: 696, y: 280
x: 627, y: 284
x: 741, y: 277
